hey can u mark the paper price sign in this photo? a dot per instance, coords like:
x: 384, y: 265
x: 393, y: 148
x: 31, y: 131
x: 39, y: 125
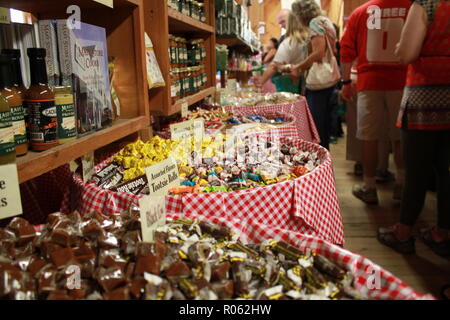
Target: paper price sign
x: 153, y: 215
x: 108, y: 3
x: 188, y: 129
x: 162, y: 176
x: 10, y: 203
x: 184, y: 109
x: 5, y: 16
x: 87, y: 163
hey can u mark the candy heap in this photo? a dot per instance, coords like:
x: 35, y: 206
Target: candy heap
x: 247, y: 165
x: 257, y: 99
x: 212, y: 115
x: 189, y: 260
x: 252, y: 167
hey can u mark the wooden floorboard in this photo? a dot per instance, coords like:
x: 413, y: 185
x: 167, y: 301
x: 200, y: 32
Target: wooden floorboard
x: 425, y: 272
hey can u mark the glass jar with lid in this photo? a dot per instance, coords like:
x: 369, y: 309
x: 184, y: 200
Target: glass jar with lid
x: 201, y: 13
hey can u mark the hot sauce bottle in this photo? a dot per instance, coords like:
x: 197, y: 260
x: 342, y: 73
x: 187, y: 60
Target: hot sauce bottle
x: 15, y: 102
x: 40, y: 101
x: 7, y: 150
x: 17, y: 72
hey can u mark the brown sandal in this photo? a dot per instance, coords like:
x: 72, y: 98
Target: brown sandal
x: 387, y: 237
x: 441, y: 248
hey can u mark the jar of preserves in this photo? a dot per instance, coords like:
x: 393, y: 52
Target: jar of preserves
x: 202, y: 15
x: 173, y: 86
x: 65, y: 113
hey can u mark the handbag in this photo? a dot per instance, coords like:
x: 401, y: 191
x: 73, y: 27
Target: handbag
x: 325, y: 74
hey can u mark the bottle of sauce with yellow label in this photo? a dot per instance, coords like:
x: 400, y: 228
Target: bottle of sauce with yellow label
x: 40, y: 101
x: 17, y: 71
x: 15, y: 102
x: 7, y: 147
x: 65, y: 112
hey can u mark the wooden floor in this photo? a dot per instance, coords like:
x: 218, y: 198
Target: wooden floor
x: 425, y: 272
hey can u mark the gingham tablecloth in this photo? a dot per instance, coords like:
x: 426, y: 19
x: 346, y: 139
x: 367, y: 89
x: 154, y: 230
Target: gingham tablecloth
x: 308, y: 204
x: 303, y: 126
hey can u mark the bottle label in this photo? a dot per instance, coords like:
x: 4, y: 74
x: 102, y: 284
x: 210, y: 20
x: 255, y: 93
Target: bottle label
x: 43, y: 122
x: 6, y: 134
x: 66, y: 121
x: 18, y: 123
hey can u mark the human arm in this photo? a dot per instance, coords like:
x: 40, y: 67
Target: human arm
x: 269, y: 73
x: 269, y: 56
x: 348, y: 89
x: 413, y: 34
x: 318, y: 45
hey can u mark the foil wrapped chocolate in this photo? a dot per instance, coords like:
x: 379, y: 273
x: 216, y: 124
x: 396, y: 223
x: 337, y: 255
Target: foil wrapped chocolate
x: 98, y: 257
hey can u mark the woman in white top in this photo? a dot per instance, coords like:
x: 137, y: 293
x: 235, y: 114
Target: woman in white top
x: 292, y: 50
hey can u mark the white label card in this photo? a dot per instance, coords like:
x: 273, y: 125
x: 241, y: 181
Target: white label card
x: 188, y: 129
x: 184, y: 109
x: 87, y: 163
x: 153, y: 215
x: 108, y: 3
x: 162, y: 177
x: 10, y: 202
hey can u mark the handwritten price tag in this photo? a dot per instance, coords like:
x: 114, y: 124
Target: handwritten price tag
x: 10, y: 203
x: 87, y: 163
x: 162, y: 176
x: 108, y: 3
x: 153, y: 215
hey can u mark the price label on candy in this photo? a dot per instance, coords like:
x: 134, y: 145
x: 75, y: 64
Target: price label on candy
x: 108, y: 3
x: 153, y: 215
x: 184, y: 109
x: 10, y: 203
x: 162, y: 176
x: 87, y: 163
x: 188, y: 129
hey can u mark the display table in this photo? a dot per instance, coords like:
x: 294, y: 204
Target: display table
x: 303, y: 126
x: 308, y: 204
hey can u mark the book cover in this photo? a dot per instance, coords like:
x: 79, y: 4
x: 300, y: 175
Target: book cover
x: 47, y: 37
x: 84, y: 65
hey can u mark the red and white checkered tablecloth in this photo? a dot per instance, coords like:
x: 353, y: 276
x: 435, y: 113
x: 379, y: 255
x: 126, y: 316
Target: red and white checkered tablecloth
x: 303, y: 127
x: 308, y: 204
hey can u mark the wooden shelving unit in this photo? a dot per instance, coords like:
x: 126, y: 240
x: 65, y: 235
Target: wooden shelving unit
x: 125, y: 35
x: 236, y: 43
x: 160, y: 21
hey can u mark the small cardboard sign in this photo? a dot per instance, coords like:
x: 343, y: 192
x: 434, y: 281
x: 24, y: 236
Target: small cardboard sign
x: 184, y: 109
x: 87, y: 164
x: 10, y: 202
x: 108, y: 3
x: 5, y: 17
x: 162, y: 176
x: 153, y: 215
x: 188, y: 129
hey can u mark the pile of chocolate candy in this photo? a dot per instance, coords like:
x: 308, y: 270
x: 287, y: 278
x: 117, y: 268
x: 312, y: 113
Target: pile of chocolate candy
x: 98, y: 257
x: 126, y: 171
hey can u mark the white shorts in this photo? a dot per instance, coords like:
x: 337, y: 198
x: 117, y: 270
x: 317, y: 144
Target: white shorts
x: 377, y: 112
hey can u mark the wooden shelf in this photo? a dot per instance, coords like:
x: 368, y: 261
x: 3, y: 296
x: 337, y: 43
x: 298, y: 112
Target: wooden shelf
x: 36, y: 7
x: 179, y: 22
x: 160, y: 21
x: 192, y: 99
x: 36, y: 163
x: 124, y: 25
x: 236, y: 43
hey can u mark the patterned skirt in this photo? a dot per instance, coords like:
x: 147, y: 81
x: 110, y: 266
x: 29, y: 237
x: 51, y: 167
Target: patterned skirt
x: 425, y: 108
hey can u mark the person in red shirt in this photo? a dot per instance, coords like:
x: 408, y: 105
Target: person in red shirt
x: 371, y: 36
